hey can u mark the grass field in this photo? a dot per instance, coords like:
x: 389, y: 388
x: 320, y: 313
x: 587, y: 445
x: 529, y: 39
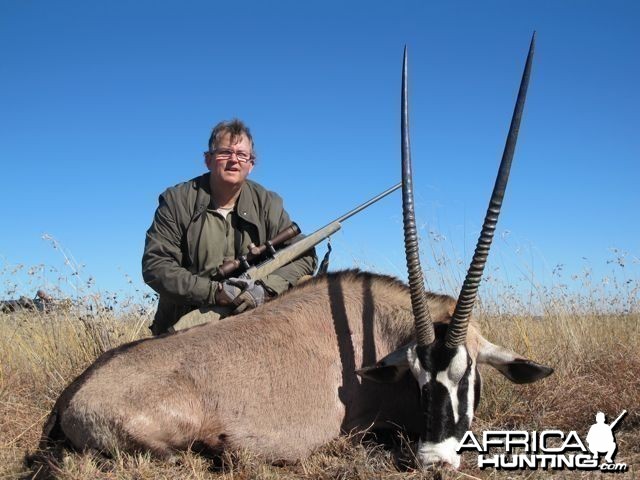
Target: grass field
x: 595, y: 355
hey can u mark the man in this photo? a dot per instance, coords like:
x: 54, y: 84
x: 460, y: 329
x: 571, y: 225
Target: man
x: 211, y: 219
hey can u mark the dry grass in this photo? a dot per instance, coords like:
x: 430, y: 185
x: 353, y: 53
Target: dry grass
x: 596, y: 360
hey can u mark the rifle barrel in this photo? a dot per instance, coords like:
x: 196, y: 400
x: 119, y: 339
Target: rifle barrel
x: 293, y: 251
x: 369, y: 202
x: 615, y: 422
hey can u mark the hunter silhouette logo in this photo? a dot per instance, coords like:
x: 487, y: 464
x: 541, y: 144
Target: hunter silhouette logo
x: 547, y: 449
x: 600, y: 437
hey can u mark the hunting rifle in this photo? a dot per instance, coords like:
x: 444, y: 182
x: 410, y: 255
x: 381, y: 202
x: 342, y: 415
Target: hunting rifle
x: 293, y: 251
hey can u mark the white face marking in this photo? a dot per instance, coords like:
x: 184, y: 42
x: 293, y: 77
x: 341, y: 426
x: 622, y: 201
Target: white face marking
x: 419, y: 373
x: 430, y: 453
x: 471, y: 391
x: 451, y: 377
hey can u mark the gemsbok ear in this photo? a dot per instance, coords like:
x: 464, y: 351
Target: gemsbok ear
x: 389, y: 369
x: 511, y: 365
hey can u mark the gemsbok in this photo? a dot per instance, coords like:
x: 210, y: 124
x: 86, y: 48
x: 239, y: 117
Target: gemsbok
x: 348, y: 350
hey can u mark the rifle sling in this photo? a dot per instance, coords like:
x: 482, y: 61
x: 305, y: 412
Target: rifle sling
x: 324, y: 265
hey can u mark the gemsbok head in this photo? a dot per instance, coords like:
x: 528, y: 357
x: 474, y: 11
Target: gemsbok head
x: 444, y: 360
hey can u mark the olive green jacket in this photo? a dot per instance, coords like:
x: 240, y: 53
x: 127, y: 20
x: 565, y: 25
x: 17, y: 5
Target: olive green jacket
x: 168, y: 263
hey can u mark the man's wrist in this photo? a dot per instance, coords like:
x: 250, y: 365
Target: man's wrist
x: 214, y: 287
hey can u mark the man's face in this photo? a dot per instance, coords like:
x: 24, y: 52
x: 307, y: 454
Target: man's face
x: 226, y: 162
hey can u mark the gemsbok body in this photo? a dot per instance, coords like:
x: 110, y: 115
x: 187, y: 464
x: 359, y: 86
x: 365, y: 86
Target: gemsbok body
x: 346, y: 351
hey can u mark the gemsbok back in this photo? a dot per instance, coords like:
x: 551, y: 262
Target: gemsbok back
x: 348, y: 350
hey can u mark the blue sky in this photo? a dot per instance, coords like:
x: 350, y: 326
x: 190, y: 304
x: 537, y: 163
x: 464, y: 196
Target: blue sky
x: 105, y: 104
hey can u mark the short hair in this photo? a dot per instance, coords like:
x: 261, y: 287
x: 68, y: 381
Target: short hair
x: 236, y: 128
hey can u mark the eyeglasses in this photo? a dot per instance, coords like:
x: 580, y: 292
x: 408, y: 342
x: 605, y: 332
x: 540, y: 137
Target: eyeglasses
x: 227, y: 153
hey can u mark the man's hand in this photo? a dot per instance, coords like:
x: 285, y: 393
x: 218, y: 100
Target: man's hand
x: 227, y: 292
x: 252, y: 295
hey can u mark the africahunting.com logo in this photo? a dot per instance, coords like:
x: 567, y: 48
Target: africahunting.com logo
x: 547, y: 449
